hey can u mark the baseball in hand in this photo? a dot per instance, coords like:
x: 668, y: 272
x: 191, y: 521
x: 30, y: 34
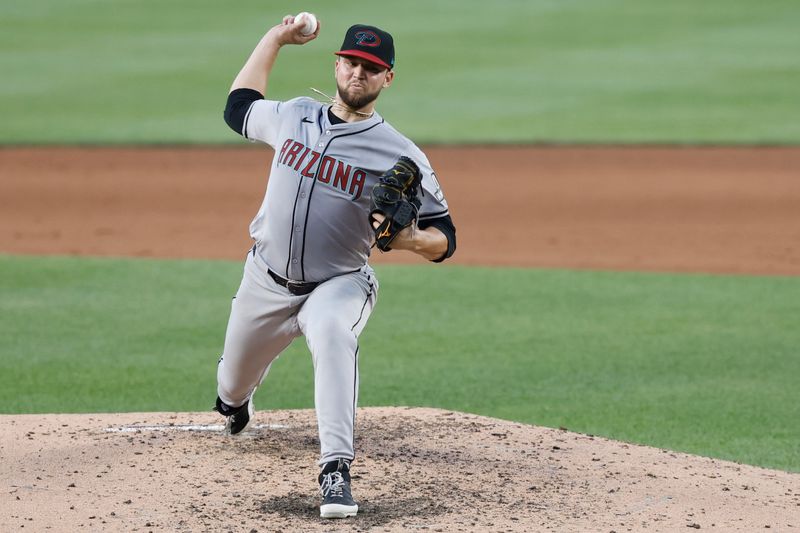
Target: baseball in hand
x: 310, y: 22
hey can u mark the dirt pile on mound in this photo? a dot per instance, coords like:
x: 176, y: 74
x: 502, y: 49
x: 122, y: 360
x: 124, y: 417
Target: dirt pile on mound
x: 417, y: 469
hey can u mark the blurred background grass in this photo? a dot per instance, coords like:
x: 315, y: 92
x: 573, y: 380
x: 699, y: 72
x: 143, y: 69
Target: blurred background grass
x: 605, y: 71
x: 697, y: 363
x: 702, y: 364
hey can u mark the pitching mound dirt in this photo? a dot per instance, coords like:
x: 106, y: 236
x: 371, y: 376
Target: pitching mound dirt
x: 417, y: 469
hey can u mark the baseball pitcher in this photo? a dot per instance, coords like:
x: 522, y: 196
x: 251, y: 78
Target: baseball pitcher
x: 342, y: 181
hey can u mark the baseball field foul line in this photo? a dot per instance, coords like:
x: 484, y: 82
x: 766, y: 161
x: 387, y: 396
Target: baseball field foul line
x: 184, y: 427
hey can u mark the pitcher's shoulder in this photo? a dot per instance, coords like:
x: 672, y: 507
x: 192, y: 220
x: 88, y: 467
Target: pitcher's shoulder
x: 403, y: 144
x: 304, y: 104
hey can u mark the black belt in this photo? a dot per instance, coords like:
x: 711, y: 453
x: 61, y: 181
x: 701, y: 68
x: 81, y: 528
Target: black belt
x: 298, y: 288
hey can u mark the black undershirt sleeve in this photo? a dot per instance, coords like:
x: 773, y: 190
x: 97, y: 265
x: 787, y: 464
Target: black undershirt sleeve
x: 239, y: 102
x: 445, y: 225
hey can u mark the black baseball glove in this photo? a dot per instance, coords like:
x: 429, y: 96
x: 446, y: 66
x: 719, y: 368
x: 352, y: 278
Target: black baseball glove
x: 395, y: 197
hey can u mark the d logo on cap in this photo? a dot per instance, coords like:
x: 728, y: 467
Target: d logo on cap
x: 367, y: 38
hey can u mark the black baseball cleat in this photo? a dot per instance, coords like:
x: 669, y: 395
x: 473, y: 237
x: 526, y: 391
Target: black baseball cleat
x: 334, y: 486
x: 238, y: 418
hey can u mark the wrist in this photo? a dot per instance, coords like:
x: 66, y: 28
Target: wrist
x: 271, y: 41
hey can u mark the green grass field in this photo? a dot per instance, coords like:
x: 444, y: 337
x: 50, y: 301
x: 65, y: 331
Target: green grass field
x: 704, y: 364
x: 698, y: 363
x: 606, y: 71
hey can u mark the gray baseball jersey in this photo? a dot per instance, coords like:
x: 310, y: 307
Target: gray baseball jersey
x: 313, y: 222
x: 313, y: 227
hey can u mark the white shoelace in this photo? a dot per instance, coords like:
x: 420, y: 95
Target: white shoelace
x: 332, y: 484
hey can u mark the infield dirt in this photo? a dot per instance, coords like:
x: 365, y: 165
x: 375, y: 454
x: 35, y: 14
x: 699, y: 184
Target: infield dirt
x: 725, y: 210
x: 721, y: 210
